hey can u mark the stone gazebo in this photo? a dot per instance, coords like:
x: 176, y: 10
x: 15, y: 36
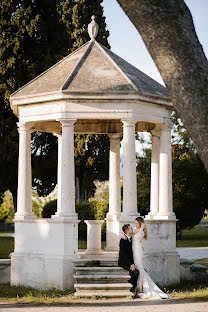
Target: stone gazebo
x: 93, y: 90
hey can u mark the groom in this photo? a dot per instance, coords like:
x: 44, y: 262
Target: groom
x: 125, y: 259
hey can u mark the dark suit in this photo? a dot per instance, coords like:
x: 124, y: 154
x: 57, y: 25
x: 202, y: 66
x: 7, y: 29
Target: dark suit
x: 125, y: 260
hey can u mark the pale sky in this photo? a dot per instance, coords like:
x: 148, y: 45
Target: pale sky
x: 127, y: 43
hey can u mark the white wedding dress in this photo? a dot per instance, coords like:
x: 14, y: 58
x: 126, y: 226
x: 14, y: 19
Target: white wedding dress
x: 145, y: 285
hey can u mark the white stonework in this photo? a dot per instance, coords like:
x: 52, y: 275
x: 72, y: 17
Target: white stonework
x: 112, y: 218
x: 165, y: 190
x: 161, y: 260
x: 129, y: 171
x: 155, y: 165
x: 44, y: 253
x: 94, y: 237
x: 24, y: 192
x: 66, y: 176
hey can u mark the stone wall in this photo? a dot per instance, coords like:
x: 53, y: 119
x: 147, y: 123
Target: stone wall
x: 5, y: 268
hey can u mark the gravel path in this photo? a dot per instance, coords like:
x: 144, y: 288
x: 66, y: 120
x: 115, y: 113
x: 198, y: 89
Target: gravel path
x: 136, y: 305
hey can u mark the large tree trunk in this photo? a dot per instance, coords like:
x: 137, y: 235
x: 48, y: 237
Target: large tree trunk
x: 166, y: 26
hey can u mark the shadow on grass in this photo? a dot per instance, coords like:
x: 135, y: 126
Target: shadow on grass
x: 13, y: 295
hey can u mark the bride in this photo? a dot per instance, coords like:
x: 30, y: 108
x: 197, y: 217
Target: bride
x: 145, y: 285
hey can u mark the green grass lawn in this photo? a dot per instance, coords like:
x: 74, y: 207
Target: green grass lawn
x: 7, y: 245
x: 196, y: 237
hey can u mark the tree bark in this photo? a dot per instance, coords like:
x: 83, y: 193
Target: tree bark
x: 167, y: 29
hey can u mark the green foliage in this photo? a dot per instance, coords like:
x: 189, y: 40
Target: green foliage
x: 194, y: 237
x: 76, y: 15
x: 86, y: 211
x: 143, y: 182
x: 91, y: 162
x: 179, y: 133
x: 6, y: 246
x: 190, y: 186
x: 35, y: 35
x: 49, y: 209
x: 7, y: 208
x: 101, y: 192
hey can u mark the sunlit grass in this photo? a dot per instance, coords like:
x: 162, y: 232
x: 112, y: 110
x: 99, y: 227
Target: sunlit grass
x: 21, y: 294
x: 189, y: 290
x: 195, y: 237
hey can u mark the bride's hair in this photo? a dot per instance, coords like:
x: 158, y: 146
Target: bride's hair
x: 143, y: 224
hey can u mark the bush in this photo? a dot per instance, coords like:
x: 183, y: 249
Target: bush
x: 190, y: 186
x: 101, y: 209
x: 49, y: 209
x: 86, y: 211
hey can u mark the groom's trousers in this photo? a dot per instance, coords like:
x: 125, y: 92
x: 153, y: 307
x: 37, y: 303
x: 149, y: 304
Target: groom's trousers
x: 134, y: 277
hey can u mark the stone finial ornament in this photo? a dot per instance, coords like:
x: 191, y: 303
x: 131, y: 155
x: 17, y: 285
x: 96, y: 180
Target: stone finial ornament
x: 93, y: 28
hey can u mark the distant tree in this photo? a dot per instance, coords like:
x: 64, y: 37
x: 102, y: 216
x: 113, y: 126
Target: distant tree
x: 190, y: 186
x: 35, y: 34
x: 143, y: 182
x: 7, y: 208
x: 91, y: 163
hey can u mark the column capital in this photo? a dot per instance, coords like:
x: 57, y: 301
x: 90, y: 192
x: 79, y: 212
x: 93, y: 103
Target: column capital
x: 24, y: 126
x: 156, y: 131
x: 67, y: 122
x: 128, y: 122
x: 114, y: 136
x: 166, y: 127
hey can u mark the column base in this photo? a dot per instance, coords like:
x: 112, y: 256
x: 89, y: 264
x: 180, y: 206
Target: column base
x: 65, y: 217
x: 112, y: 232
x: 129, y: 217
x: 150, y: 216
x: 164, y: 217
x: 24, y: 217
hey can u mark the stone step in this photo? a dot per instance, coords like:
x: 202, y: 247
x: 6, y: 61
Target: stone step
x: 101, y: 278
x: 103, y: 294
x: 93, y: 263
x: 100, y: 270
x: 105, y: 290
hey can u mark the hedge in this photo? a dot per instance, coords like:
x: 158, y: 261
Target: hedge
x: 86, y: 211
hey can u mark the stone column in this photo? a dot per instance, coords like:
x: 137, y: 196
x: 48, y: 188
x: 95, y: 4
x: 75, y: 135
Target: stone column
x: 59, y: 136
x: 129, y: 171
x: 112, y: 223
x: 165, y: 192
x: 94, y: 237
x: 24, y: 192
x: 66, y: 176
x: 154, y: 190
